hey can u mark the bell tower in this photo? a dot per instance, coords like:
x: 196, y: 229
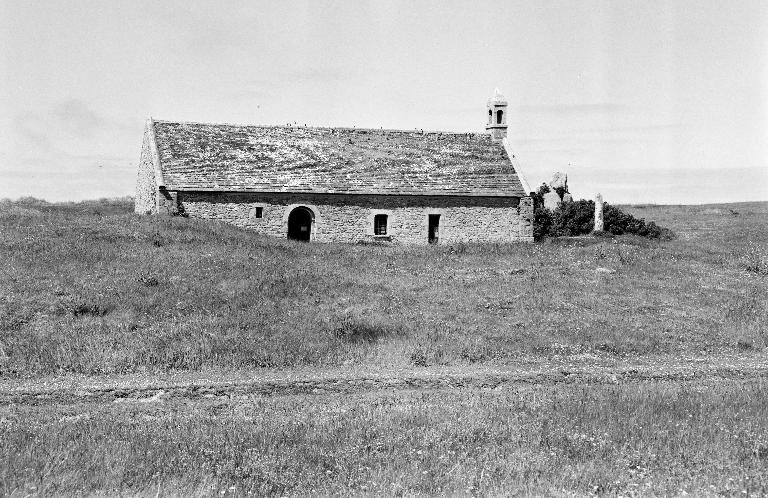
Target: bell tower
x: 497, y: 116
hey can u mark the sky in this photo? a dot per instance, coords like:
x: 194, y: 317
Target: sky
x: 643, y: 101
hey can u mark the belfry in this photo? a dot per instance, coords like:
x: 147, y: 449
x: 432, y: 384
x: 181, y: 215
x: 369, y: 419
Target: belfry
x: 497, y: 116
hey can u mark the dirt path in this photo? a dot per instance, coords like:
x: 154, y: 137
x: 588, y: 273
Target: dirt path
x: 68, y: 390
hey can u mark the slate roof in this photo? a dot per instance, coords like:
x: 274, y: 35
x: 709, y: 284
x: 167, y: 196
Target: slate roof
x: 222, y: 157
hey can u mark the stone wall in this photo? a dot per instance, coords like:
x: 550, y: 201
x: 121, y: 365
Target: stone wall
x: 349, y: 218
x: 146, y: 187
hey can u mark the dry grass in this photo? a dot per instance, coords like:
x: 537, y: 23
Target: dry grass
x: 91, y: 288
x: 703, y: 438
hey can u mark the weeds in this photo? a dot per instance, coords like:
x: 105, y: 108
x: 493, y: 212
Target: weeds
x: 80, y: 307
x: 755, y: 259
x: 148, y: 281
x: 369, y: 330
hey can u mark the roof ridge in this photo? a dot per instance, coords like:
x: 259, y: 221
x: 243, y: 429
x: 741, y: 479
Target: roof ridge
x: 420, y: 131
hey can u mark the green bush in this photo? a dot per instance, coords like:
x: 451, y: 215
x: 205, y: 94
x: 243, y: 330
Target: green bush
x: 573, y: 218
x: 578, y: 218
x: 542, y: 217
x: 542, y: 221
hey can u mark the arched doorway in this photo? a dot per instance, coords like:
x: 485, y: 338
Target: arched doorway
x: 300, y: 224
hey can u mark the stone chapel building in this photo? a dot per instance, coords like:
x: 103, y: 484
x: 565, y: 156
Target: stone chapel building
x: 340, y: 184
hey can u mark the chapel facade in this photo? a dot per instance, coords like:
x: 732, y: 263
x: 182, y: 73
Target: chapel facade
x: 340, y: 184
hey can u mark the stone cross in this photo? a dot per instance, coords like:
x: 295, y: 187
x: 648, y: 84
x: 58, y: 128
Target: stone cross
x: 598, y: 213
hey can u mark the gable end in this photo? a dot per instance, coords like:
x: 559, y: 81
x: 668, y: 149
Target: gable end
x: 149, y: 179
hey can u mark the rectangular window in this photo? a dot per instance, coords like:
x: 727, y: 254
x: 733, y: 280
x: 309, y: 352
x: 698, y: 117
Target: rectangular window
x: 258, y: 213
x: 380, y: 224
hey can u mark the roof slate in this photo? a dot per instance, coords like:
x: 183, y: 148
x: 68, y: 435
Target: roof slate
x: 196, y: 156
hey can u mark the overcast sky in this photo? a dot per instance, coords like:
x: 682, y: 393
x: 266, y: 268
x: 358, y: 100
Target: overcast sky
x: 644, y: 101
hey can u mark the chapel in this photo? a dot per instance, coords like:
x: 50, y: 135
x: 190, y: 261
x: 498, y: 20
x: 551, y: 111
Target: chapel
x: 340, y: 184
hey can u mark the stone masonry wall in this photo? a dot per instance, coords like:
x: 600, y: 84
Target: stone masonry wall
x: 349, y: 218
x: 146, y: 188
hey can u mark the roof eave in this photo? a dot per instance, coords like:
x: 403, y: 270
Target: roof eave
x: 516, y: 165
x: 171, y: 188
x: 155, y: 152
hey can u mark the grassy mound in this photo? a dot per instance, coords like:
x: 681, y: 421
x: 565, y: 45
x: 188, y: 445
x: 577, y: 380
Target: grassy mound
x: 92, y: 288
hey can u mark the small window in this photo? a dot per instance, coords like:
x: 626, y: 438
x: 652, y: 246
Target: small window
x: 380, y: 224
x: 499, y: 115
x: 434, y: 228
x: 258, y: 212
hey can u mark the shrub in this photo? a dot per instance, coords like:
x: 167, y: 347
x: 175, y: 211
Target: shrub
x: 578, y: 218
x: 542, y: 217
x: 618, y: 222
x: 542, y: 221
x: 573, y: 218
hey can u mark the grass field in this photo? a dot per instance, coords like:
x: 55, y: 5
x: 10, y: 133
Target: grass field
x: 92, y: 296
x: 704, y: 438
x: 92, y: 289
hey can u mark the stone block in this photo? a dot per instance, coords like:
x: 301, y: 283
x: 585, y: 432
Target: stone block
x: 599, y: 226
x: 551, y: 200
x: 559, y: 180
